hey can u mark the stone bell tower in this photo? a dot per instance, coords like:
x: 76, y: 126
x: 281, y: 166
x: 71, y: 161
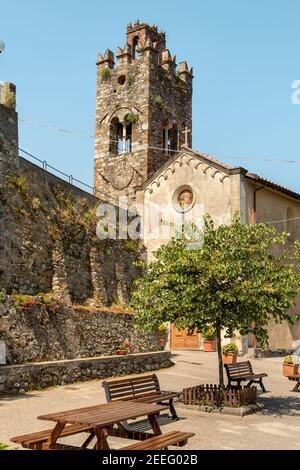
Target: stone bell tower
x: 143, y: 112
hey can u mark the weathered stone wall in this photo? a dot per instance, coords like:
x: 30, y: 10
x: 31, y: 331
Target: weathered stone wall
x: 16, y: 379
x: 49, y: 246
x: 8, y: 166
x: 35, y: 335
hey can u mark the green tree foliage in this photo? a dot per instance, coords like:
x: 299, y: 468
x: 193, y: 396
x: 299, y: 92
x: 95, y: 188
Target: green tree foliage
x: 241, y: 278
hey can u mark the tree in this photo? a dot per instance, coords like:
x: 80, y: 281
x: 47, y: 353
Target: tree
x: 239, y: 278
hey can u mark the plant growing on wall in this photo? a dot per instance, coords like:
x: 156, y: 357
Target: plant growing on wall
x: 9, y: 98
x: 141, y: 50
x: 36, y: 203
x: 26, y: 302
x: 19, y: 183
x: 130, y: 79
x: 105, y: 74
x: 232, y: 282
x: 158, y: 101
x: 132, y: 117
x: 3, y: 296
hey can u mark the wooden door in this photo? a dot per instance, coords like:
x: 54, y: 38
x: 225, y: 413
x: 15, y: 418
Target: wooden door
x: 181, y: 340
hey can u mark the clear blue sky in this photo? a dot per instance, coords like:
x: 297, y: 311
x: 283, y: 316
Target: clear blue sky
x: 245, y: 56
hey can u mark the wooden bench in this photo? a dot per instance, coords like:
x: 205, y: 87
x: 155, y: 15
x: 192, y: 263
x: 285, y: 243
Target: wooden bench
x: 143, y: 388
x: 297, y: 385
x: 242, y: 371
x: 174, y: 438
x: 35, y: 440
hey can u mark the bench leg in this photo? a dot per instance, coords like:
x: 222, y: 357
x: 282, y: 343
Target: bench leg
x: 172, y: 410
x: 296, y: 388
x: 262, y: 385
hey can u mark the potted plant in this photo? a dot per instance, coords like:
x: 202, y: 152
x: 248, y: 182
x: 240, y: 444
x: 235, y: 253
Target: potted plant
x: 209, y: 339
x: 125, y: 348
x: 289, y: 367
x: 163, y: 331
x: 229, y: 353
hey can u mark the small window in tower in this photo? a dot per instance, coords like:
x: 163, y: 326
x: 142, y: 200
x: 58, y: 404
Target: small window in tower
x: 170, y: 140
x: 166, y: 142
x: 113, y: 136
x: 135, y: 44
x: 121, y: 79
x: 128, y: 141
x: 120, y: 138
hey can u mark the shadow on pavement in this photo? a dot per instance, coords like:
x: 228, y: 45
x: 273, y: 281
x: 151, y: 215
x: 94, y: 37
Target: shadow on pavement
x: 145, y: 426
x: 280, y: 405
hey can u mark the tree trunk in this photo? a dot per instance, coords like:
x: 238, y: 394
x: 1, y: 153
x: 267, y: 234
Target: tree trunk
x: 219, y: 349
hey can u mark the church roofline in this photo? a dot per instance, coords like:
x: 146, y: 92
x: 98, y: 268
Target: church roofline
x: 230, y: 170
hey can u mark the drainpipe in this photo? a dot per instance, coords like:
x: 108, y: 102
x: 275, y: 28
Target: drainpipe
x: 254, y: 222
x: 254, y: 203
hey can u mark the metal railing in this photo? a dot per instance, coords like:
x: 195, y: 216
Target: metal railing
x: 47, y: 167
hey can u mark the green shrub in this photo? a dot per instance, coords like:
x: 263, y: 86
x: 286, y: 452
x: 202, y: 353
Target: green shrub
x: 230, y: 348
x: 3, y: 446
x: 209, y: 333
x: 288, y: 360
x: 162, y: 330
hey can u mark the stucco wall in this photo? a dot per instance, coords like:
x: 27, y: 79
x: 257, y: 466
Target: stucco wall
x: 212, y: 189
x: 271, y: 206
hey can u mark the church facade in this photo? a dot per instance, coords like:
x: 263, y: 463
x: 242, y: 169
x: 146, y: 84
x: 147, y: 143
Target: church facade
x: 143, y: 151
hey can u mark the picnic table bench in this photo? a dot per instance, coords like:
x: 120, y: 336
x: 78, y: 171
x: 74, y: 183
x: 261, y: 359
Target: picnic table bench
x: 99, y: 422
x: 143, y: 388
x: 297, y: 379
x: 242, y: 371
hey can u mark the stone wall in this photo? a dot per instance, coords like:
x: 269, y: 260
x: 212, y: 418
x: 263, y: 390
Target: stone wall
x: 52, y: 245
x: 8, y: 167
x: 34, y: 334
x: 18, y: 379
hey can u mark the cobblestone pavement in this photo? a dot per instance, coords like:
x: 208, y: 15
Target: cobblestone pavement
x: 277, y: 426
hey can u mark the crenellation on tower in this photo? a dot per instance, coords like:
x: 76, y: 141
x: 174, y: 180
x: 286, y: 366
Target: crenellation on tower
x: 143, y: 107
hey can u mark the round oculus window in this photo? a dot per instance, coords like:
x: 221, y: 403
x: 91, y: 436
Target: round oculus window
x: 183, y: 199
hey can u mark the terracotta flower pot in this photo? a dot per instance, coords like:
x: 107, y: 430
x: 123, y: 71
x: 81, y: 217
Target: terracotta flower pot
x: 209, y: 346
x: 289, y: 369
x: 229, y: 358
x: 162, y: 342
x: 122, y: 352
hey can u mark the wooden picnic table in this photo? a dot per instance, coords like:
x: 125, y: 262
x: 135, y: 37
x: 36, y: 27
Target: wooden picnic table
x: 99, y: 420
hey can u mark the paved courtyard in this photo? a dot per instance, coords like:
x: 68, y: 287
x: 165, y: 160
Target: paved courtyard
x: 275, y: 427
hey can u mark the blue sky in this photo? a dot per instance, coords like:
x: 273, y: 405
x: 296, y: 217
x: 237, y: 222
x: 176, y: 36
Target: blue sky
x: 245, y: 56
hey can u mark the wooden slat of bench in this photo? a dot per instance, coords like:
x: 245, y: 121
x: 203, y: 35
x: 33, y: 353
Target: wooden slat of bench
x: 161, y: 441
x: 149, y: 397
x: 126, y: 382
x: 113, y: 383
x: 40, y: 436
x: 133, y: 390
x: 160, y: 397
